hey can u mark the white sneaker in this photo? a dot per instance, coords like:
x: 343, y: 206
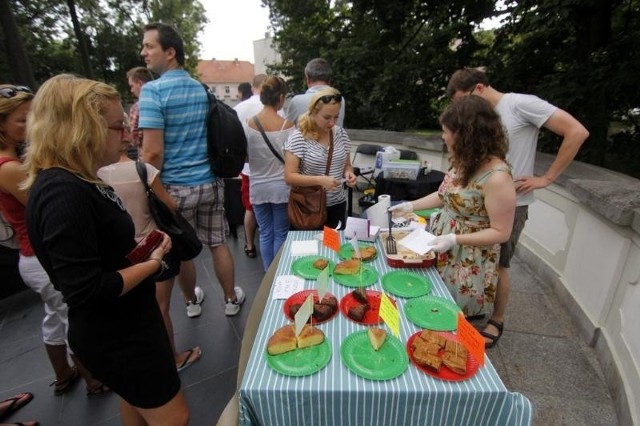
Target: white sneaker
x: 194, y: 309
x: 232, y: 308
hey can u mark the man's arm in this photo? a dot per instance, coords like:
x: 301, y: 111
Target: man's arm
x: 574, y: 134
x: 153, y: 147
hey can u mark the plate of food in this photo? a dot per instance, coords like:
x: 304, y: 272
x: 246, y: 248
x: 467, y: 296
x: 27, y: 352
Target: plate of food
x: 352, y: 273
x: 362, y: 306
x: 323, y: 310
x: 441, y: 355
x: 406, y: 284
x: 374, y: 354
x: 432, y: 312
x: 406, y: 258
x: 309, y: 267
x: 368, y: 251
x: 303, y: 355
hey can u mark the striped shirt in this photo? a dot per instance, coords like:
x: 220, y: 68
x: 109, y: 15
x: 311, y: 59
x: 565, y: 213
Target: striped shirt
x: 178, y: 104
x: 313, y: 158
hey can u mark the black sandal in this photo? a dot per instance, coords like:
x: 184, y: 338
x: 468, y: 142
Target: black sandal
x: 63, y: 386
x: 250, y: 253
x: 494, y: 339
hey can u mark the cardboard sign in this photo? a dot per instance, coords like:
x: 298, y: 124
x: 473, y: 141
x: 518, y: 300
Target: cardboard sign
x: 389, y: 314
x: 331, y: 239
x: 322, y: 284
x: 471, y: 338
x: 357, y: 227
x: 303, y: 314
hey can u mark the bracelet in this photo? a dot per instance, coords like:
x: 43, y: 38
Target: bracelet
x: 163, y: 265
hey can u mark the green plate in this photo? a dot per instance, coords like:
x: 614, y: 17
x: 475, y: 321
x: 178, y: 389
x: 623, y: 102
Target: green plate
x: 433, y: 313
x: 426, y: 213
x: 366, y: 277
x: 301, y: 362
x: 303, y: 267
x: 406, y: 284
x: 346, y: 251
x: 390, y: 361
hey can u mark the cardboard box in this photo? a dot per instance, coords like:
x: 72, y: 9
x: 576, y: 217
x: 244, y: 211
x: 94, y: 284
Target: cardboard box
x: 401, y: 169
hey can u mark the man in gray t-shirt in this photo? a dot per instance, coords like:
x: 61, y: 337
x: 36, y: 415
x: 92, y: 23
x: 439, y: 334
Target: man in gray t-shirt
x: 318, y: 76
x: 522, y: 117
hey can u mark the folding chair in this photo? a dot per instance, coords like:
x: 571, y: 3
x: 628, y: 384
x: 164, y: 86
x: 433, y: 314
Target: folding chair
x: 366, y: 173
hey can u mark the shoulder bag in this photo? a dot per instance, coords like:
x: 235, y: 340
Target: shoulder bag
x: 266, y: 139
x: 184, y: 238
x: 308, y: 204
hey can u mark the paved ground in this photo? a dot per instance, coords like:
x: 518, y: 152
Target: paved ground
x: 539, y: 355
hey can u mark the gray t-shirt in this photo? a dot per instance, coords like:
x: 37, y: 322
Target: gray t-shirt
x: 522, y: 117
x: 299, y: 104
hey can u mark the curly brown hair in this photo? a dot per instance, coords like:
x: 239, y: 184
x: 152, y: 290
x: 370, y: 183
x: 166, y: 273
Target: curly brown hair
x: 478, y: 135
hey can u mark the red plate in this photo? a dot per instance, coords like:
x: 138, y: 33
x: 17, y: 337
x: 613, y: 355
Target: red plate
x: 371, y: 316
x: 445, y: 373
x: 300, y: 297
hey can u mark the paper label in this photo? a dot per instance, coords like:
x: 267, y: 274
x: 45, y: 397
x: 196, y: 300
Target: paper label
x: 303, y: 314
x: 470, y: 338
x: 322, y: 284
x: 357, y: 227
x: 356, y: 248
x: 389, y: 314
x: 331, y: 239
x: 286, y: 285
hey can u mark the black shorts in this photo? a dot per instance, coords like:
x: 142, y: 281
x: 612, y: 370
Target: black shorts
x: 508, y: 248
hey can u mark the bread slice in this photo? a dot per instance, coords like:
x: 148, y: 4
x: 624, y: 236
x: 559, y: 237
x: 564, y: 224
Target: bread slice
x: 377, y: 337
x: 433, y: 337
x: 455, y: 362
x: 422, y: 357
x: 357, y: 312
x: 347, y: 267
x: 283, y: 340
x: 360, y: 295
x: 367, y: 253
x: 320, y: 263
x: 310, y: 336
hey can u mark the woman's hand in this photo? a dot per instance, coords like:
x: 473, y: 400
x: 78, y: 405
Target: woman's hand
x: 350, y: 179
x: 329, y: 183
x: 163, y: 248
x: 443, y: 243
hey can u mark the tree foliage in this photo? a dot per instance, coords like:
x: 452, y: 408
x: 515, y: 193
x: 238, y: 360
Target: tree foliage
x: 392, y: 60
x: 102, y: 41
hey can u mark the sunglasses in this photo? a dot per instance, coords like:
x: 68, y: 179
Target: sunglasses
x: 10, y: 92
x: 328, y: 98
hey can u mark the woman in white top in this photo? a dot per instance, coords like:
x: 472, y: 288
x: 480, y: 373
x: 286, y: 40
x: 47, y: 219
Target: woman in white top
x: 269, y: 194
x: 307, y: 151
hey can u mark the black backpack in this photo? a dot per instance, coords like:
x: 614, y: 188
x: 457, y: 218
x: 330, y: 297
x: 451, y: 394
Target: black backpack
x: 226, y: 140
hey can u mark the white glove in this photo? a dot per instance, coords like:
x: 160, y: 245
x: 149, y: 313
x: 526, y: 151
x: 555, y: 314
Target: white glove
x: 443, y: 242
x: 406, y: 207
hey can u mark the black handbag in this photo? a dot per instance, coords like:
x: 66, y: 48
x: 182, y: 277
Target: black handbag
x: 184, y: 238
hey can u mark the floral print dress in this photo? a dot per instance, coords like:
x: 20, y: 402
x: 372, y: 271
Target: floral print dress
x: 469, y: 272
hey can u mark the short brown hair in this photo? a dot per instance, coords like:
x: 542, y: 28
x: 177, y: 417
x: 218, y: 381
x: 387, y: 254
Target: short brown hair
x: 463, y: 80
x: 140, y: 74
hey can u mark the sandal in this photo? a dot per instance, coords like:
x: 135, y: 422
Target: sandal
x: 63, y: 386
x: 250, y: 253
x: 494, y: 339
x: 97, y: 389
x: 188, y: 360
x: 15, y: 403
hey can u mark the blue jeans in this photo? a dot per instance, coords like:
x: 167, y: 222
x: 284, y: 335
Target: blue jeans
x: 273, y: 225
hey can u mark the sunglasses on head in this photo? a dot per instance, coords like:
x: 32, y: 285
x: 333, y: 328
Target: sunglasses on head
x: 328, y: 98
x: 10, y: 92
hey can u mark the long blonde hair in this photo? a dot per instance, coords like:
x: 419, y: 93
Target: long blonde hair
x: 9, y: 105
x: 306, y: 124
x: 66, y: 127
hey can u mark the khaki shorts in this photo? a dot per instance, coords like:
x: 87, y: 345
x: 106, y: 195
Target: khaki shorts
x: 508, y: 248
x: 203, y: 207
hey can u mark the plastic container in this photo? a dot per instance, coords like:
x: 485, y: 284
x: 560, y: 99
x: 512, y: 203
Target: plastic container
x: 401, y: 169
x: 383, y: 157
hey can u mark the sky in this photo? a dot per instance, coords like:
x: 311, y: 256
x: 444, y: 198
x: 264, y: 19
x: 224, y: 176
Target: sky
x: 232, y: 28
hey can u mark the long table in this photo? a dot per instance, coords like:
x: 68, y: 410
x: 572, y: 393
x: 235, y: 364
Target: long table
x: 335, y: 396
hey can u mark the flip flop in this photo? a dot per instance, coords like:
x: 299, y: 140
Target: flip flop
x: 494, y: 339
x: 97, y: 390
x: 63, y: 386
x: 187, y: 360
x: 16, y: 402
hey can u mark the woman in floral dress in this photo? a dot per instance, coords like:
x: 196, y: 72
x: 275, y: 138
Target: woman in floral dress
x: 477, y: 198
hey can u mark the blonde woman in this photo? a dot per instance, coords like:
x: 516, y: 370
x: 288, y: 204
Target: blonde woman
x: 81, y: 233
x: 307, y: 153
